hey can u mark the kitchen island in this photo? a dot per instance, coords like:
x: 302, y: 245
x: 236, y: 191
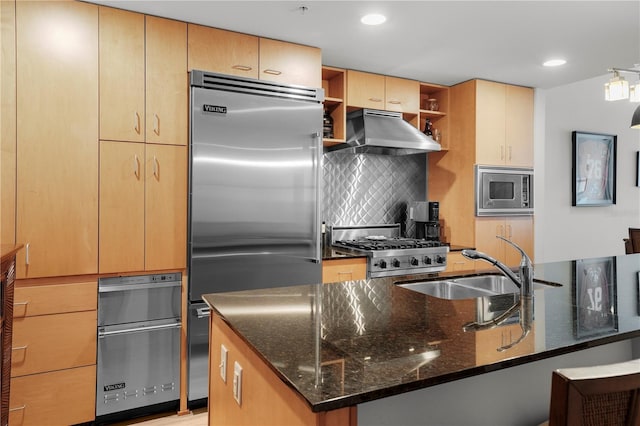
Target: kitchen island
x: 327, y: 354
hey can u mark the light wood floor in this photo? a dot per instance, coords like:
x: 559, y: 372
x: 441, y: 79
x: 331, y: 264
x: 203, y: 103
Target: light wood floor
x: 197, y: 417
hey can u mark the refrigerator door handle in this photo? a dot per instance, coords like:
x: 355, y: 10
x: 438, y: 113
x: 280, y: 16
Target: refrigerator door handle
x: 107, y: 288
x: 317, y: 149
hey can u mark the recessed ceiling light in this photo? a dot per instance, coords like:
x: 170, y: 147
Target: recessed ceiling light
x: 373, y: 19
x: 554, y: 62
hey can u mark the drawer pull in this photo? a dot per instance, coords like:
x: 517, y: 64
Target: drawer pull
x: 20, y: 348
x: 272, y: 72
x: 17, y: 408
x: 26, y: 254
x: 136, y: 166
x: 345, y: 272
x: 156, y: 124
x: 242, y: 68
x: 375, y: 99
x: 156, y: 167
x: 21, y: 303
x: 395, y: 102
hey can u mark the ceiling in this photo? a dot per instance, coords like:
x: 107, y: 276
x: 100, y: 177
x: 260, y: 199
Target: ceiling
x: 442, y: 42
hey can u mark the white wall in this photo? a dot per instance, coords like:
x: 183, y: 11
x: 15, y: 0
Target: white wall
x: 563, y: 232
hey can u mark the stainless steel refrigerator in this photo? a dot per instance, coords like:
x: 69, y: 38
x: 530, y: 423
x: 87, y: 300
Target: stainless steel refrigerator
x: 254, y: 200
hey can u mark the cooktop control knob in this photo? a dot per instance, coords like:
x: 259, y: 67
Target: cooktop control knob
x: 382, y: 264
x: 427, y: 260
x: 440, y: 259
x: 414, y: 261
x: 395, y: 263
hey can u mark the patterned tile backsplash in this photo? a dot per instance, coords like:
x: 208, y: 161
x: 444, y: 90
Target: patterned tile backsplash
x: 362, y: 189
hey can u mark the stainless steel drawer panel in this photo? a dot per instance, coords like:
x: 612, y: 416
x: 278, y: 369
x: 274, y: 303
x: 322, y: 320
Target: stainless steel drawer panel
x: 125, y: 301
x: 138, y: 365
x: 198, y: 387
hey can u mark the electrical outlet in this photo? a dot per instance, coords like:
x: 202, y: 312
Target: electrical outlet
x: 237, y: 383
x: 223, y: 363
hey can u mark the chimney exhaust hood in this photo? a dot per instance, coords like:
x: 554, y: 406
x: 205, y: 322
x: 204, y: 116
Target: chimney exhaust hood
x: 384, y: 132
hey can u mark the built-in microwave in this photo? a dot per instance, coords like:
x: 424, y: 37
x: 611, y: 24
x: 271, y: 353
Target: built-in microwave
x: 503, y: 191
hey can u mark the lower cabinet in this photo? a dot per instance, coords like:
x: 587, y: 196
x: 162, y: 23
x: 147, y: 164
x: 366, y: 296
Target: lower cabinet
x: 53, y: 363
x: 518, y: 229
x: 457, y: 262
x: 346, y: 269
x: 63, y: 397
x: 494, y: 338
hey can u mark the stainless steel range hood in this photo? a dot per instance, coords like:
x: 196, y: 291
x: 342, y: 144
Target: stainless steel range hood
x: 384, y: 132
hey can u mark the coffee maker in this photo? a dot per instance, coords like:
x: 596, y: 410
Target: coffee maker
x: 426, y: 215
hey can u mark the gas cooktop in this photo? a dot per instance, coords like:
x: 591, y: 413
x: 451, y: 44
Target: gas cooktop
x: 389, y: 254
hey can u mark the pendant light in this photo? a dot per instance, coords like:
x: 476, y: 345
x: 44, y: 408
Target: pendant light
x: 635, y: 120
x: 618, y: 88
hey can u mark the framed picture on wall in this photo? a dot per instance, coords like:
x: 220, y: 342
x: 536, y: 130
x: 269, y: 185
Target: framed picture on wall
x: 594, y: 169
x: 595, y: 303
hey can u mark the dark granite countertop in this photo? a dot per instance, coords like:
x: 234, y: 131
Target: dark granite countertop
x: 342, y: 344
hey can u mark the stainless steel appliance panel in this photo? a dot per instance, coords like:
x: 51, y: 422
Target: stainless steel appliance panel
x: 503, y: 191
x: 138, y: 365
x: 198, y: 337
x: 254, y: 192
x: 138, y: 298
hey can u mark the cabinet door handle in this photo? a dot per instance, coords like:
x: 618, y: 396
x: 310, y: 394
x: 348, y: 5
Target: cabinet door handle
x: 136, y: 166
x: 395, y: 102
x: 21, y: 303
x: 20, y: 348
x: 156, y: 167
x: 375, y: 99
x: 242, y: 67
x: 156, y: 124
x: 502, y: 152
x: 17, y: 408
x: 510, y: 152
x: 26, y: 254
x: 272, y: 72
x: 510, y: 232
x: 136, y: 122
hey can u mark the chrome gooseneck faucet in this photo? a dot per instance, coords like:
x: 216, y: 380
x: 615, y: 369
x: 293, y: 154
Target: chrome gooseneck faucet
x: 524, y: 281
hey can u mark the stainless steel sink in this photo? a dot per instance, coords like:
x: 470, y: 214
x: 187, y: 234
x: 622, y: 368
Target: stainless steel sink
x: 468, y: 287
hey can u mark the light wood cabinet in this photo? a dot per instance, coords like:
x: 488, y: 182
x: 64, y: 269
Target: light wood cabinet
x: 457, y: 262
x: 516, y: 229
x: 167, y: 84
x: 57, y: 128
x: 477, y: 111
x: 53, y: 342
x: 347, y: 269
x: 334, y: 83
x: 221, y: 51
x: 290, y: 63
x: 143, y: 78
x: 122, y: 210
x: 228, y: 52
x: 53, y: 366
x: 367, y: 90
x: 438, y: 117
x: 504, y: 124
x: 165, y: 207
x: 143, y: 207
x: 64, y: 397
x: 122, y: 70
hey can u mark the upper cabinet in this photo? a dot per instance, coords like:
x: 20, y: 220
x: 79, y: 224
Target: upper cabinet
x: 224, y: 52
x: 167, y: 81
x: 290, y: 63
x: 504, y: 124
x: 434, y: 104
x: 143, y: 78
x: 228, y: 52
x: 375, y: 91
x: 334, y: 83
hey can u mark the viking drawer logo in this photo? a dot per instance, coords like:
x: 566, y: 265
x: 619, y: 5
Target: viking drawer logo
x: 214, y: 109
x: 114, y: 386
